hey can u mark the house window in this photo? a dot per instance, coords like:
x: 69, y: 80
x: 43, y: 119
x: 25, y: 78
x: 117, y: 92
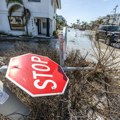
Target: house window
x: 16, y: 23
x: 34, y: 0
x: 44, y: 25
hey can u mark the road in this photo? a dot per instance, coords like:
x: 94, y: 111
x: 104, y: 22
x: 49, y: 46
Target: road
x: 85, y: 43
x: 79, y: 40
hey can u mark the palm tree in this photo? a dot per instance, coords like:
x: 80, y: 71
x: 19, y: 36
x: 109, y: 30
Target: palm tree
x: 93, y: 24
x: 57, y: 22
x: 108, y: 19
x: 84, y: 25
x: 100, y: 21
x: 78, y: 23
x: 73, y: 25
x: 60, y: 23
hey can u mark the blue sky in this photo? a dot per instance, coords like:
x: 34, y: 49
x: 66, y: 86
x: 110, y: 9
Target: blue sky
x: 87, y: 10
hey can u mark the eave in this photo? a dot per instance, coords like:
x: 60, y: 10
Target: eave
x: 58, y: 2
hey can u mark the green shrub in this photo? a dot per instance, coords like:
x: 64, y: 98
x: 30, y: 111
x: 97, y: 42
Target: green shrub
x: 55, y: 34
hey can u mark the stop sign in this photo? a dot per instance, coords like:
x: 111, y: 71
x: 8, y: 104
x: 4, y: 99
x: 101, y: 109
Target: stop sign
x: 37, y: 75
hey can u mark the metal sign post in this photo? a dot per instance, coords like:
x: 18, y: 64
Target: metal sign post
x: 10, y: 106
x: 62, y: 46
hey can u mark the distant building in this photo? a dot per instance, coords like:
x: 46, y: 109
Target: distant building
x: 32, y: 17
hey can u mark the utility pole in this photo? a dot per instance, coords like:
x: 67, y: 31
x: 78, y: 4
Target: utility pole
x: 114, y: 10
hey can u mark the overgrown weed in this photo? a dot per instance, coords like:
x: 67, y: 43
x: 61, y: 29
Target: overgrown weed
x: 90, y: 93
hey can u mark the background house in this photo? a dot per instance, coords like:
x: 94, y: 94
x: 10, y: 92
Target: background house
x: 32, y: 17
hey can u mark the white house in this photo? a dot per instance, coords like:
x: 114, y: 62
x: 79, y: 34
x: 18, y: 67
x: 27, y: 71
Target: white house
x: 32, y: 17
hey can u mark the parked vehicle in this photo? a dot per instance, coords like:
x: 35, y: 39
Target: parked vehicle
x: 109, y: 33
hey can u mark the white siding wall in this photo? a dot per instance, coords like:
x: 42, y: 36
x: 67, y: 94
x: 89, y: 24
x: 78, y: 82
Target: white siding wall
x: 42, y: 9
x: 32, y: 30
x: 4, y: 24
x: 52, y: 12
x: 3, y: 6
x: 38, y: 8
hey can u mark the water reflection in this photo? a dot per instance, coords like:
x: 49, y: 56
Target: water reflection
x: 80, y: 40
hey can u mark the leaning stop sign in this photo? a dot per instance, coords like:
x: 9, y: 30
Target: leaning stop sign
x: 37, y: 75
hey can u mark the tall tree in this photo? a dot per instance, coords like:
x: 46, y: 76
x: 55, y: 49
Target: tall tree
x: 84, y: 24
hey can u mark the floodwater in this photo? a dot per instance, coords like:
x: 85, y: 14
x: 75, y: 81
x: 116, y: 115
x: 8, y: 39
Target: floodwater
x: 76, y: 40
x: 80, y: 41
x: 83, y: 42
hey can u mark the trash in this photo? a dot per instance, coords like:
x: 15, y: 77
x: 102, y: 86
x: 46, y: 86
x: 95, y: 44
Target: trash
x: 3, y: 96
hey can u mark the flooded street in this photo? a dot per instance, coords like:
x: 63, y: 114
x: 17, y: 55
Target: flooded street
x: 76, y: 41
x: 80, y: 40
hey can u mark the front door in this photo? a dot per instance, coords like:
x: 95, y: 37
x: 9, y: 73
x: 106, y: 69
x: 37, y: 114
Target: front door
x: 39, y: 26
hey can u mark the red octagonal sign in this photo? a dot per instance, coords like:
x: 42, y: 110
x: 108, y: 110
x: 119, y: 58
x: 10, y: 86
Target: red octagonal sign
x: 37, y: 75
